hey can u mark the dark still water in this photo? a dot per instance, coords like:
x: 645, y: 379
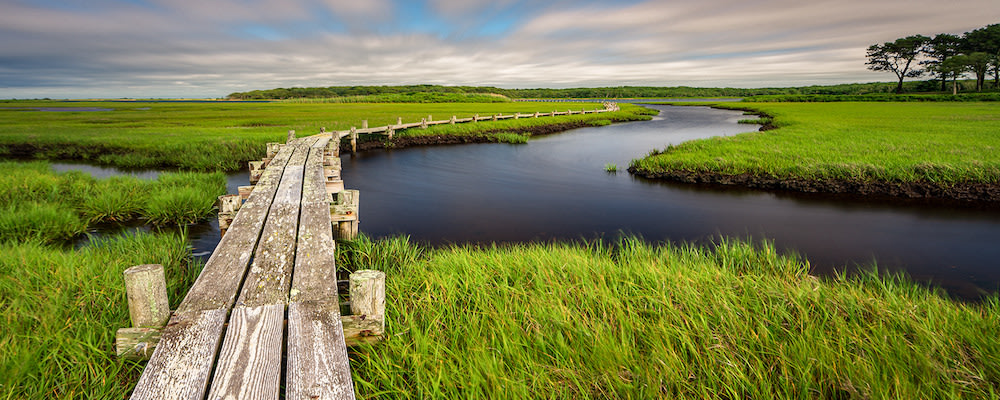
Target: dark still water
x: 555, y: 187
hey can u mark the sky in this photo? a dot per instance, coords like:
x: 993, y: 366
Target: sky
x: 210, y: 48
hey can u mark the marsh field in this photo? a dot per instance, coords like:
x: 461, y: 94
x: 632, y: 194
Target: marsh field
x: 627, y: 319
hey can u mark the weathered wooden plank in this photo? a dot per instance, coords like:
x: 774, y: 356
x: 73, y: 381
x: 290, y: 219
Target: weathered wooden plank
x: 318, y: 366
x: 222, y: 275
x: 315, y: 275
x: 321, y: 141
x: 269, y: 276
x: 249, y: 364
x: 182, y: 361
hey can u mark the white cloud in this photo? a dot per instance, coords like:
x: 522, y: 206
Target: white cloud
x: 191, y: 48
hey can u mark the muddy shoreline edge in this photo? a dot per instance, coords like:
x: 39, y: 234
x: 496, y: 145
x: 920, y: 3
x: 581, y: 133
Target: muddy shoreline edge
x: 961, y: 192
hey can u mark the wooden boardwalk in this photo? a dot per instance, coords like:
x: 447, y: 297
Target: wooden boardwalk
x: 227, y: 338
x: 264, y: 315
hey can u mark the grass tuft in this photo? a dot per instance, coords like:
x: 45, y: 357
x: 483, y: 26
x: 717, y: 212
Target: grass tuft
x: 636, y: 320
x: 60, y: 309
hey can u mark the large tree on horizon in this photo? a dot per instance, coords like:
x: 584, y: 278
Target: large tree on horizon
x: 985, y: 40
x: 897, y: 56
x: 939, y: 50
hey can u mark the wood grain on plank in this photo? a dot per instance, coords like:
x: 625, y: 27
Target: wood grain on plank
x: 220, y: 279
x: 182, y: 362
x: 249, y: 364
x: 318, y: 367
x: 269, y: 277
x: 315, y: 275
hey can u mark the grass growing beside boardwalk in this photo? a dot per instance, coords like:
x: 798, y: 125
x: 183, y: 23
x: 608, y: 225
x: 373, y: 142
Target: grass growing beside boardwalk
x: 939, y: 143
x: 37, y: 204
x: 59, y: 310
x: 202, y: 136
x: 642, y: 321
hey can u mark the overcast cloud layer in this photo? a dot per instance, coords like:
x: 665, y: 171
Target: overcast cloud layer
x: 210, y: 48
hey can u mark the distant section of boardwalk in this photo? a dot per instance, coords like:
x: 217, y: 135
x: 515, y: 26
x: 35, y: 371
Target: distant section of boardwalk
x: 227, y: 338
x: 390, y: 130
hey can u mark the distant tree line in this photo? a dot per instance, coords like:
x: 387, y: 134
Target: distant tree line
x: 434, y: 92
x: 945, y: 56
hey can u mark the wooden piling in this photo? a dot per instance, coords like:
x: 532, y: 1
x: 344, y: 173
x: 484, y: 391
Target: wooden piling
x: 291, y: 136
x: 344, y: 210
x: 390, y: 132
x: 272, y: 149
x: 332, y: 149
x: 399, y: 120
x: 367, y: 294
x: 146, y: 289
x: 244, y: 192
x: 494, y: 117
x: 256, y: 170
x: 228, y: 204
x: 354, y: 140
x: 475, y: 118
x: 536, y: 114
x: 364, y: 124
x: 136, y: 343
x: 453, y: 119
x: 423, y: 123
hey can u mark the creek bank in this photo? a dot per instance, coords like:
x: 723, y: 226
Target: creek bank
x: 962, y: 192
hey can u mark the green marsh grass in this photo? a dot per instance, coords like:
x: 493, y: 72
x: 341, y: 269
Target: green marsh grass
x: 60, y: 308
x: 39, y: 204
x: 611, y: 167
x: 942, y: 143
x: 35, y: 222
x: 512, y: 138
x: 117, y: 199
x: 205, y: 136
x: 184, y: 197
x: 635, y: 320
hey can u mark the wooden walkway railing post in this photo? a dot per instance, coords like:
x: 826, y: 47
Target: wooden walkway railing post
x: 149, y: 310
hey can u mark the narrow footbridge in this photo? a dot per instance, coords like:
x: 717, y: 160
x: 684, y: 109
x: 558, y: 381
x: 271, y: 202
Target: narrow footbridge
x: 275, y: 262
x: 263, y: 320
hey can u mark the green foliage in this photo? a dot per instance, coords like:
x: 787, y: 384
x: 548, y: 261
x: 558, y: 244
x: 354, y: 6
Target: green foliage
x: 117, y: 199
x: 883, y: 97
x: 60, y: 309
x: 41, y: 205
x: 34, y: 222
x: 509, y: 137
x: 941, y: 143
x: 668, y: 321
x: 378, y: 94
x: 611, y: 167
x: 898, y: 57
x: 202, y: 136
x: 418, y: 97
x: 434, y: 93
